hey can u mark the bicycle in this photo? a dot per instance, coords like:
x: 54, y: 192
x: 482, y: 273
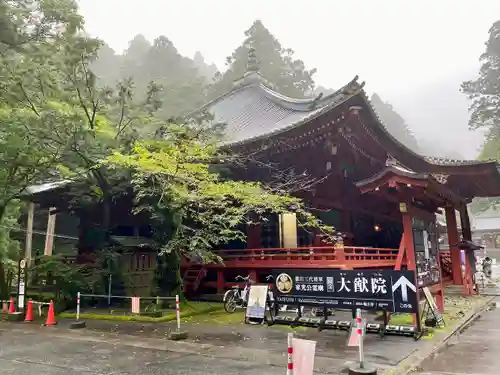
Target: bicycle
x: 237, y: 298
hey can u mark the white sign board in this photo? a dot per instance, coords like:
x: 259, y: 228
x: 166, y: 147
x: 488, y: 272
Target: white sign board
x: 136, y: 305
x: 257, y: 301
x: 303, y: 356
x: 20, y: 298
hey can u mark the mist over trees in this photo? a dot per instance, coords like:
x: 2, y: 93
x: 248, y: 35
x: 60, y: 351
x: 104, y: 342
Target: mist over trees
x: 277, y: 64
x: 484, y: 95
x: 394, y: 123
x: 189, y: 83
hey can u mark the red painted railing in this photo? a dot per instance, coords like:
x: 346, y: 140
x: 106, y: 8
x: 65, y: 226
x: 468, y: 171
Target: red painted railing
x: 349, y: 256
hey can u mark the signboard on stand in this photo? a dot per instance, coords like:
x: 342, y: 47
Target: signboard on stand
x: 257, y: 302
x: 426, y: 252
x: 386, y: 290
x: 432, y: 306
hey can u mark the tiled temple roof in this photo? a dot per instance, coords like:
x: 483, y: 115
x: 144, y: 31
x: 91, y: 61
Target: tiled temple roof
x: 252, y: 111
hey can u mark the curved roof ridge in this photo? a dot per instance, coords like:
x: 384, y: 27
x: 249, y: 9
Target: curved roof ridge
x: 306, y: 104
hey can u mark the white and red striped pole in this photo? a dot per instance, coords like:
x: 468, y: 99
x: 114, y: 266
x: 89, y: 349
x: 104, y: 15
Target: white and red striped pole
x: 359, y: 331
x: 289, y: 368
x: 78, y: 306
x: 178, y: 312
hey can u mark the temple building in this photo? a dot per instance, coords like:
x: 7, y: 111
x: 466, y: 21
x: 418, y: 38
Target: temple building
x: 380, y: 194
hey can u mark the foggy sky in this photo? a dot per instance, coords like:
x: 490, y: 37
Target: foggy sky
x: 412, y: 52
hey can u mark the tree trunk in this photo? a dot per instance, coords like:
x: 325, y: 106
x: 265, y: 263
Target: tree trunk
x: 4, y: 287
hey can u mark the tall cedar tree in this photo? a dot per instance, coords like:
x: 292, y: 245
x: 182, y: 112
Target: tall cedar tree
x: 143, y: 62
x: 484, y: 92
x: 289, y: 76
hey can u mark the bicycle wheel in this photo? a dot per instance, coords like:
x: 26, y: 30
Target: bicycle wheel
x: 230, y: 304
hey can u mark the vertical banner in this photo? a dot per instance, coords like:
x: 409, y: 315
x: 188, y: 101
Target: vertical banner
x: 21, y: 286
x: 303, y: 356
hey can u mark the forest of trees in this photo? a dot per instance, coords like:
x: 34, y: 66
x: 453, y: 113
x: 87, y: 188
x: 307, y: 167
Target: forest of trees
x: 484, y: 95
x: 113, y: 136
x: 189, y: 83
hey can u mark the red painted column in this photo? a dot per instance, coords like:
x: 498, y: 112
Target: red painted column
x: 408, y: 241
x: 220, y: 282
x: 409, y: 249
x: 453, y: 239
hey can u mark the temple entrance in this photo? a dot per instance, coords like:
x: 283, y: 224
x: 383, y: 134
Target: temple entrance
x: 369, y: 231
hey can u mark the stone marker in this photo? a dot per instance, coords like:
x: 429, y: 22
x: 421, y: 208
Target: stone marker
x: 78, y: 324
x: 366, y: 370
x: 178, y: 335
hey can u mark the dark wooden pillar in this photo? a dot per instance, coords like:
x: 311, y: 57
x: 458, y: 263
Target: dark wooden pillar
x: 465, y: 223
x: 453, y: 239
x: 345, y: 221
x: 253, y: 236
x: 470, y: 259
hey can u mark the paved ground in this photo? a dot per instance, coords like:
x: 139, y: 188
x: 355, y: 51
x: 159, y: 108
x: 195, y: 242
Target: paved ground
x: 30, y: 349
x: 330, y: 344
x: 213, y: 348
x: 40, y: 353
x: 474, y: 352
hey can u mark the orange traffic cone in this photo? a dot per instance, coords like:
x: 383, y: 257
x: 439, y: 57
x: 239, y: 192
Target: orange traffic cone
x: 5, y: 308
x: 29, y: 312
x: 12, y: 308
x: 51, y: 319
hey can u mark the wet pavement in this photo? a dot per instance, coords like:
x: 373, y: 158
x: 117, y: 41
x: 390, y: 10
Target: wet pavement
x: 43, y: 352
x: 245, y: 350
x: 215, y: 346
x: 332, y: 344
x: 474, y: 352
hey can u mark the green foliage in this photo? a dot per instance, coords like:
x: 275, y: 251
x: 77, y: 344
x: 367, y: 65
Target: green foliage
x: 394, y: 123
x: 66, y: 280
x: 187, y: 310
x: 173, y: 175
x: 484, y: 91
x: 34, y: 34
x: 277, y: 64
x: 484, y: 94
x: 9, y: 247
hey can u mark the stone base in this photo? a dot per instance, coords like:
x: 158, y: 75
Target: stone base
x: 16, y: 317
x: 367, y: 370
x: 178, y: 335
x: 77, y: 324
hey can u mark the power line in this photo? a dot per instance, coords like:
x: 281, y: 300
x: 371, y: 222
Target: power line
x: 15, y: 229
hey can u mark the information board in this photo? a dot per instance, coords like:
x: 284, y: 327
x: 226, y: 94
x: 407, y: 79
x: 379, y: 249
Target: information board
x: 257, y: 302
x: 426, y: 252
x: 386, y: 290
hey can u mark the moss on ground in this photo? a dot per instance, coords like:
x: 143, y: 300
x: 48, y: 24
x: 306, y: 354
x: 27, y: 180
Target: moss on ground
x: 188, y: 310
